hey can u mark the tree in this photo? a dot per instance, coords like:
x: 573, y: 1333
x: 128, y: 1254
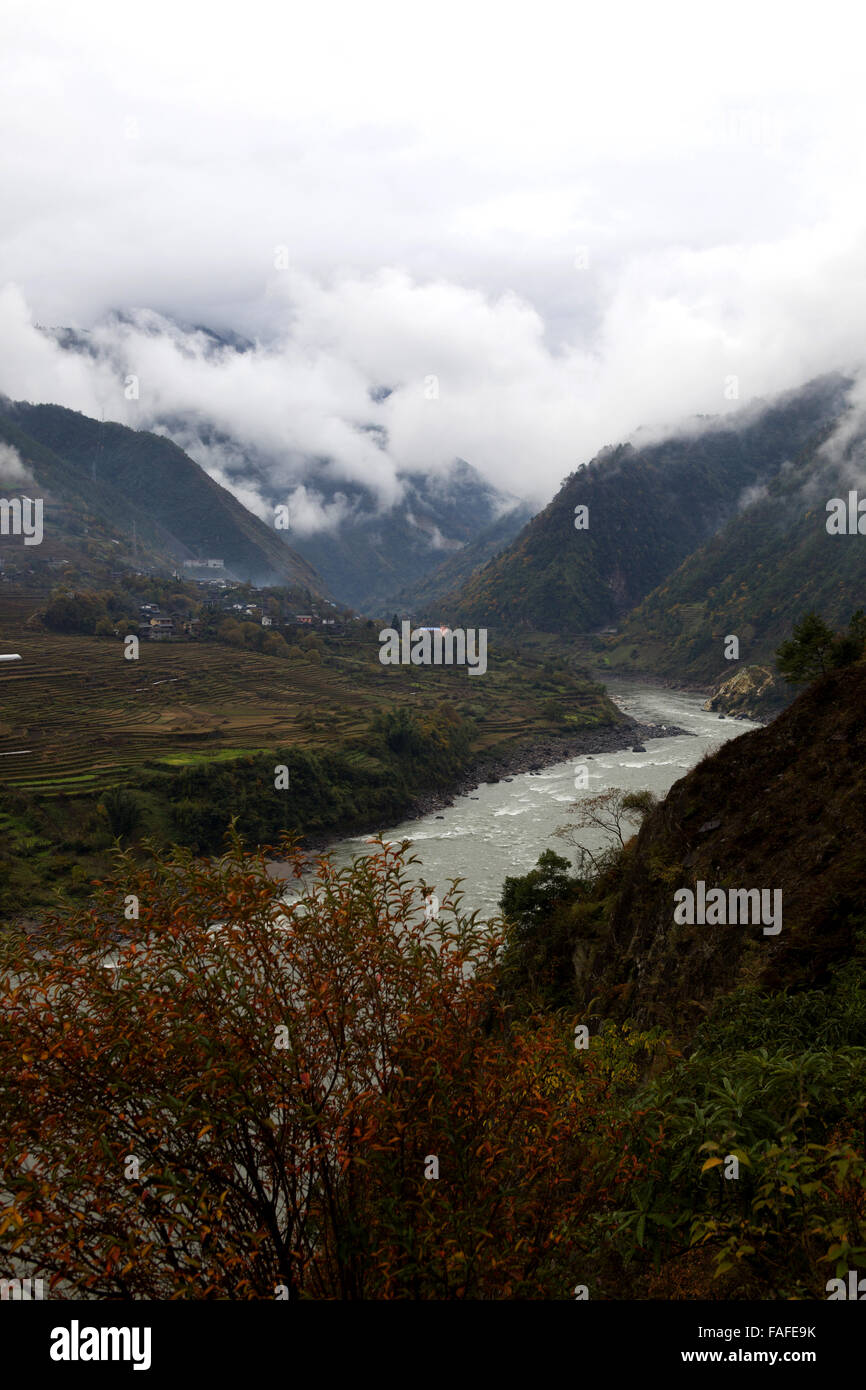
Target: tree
x: 610, y: 812
x: 816, y: 649
x: 533, y: 896
x: 318, y: 1096
x: 122, y: 810
x: 808, y: 653
x: 399, y: 730
x: 537, y: 963
x: 274, y: 645
x: 231, y: 632
x: 857, y: 628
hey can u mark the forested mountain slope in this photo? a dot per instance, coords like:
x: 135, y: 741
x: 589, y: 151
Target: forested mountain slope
x: 648, y: 509
x: 127, y: 475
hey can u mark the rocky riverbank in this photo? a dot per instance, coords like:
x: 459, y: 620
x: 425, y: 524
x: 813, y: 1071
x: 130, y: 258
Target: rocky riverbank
x: 499, y: 764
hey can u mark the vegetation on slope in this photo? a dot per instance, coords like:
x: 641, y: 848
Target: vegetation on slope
x: 194, y: 731
x: 124, y: 475
x: 649, y: 508
x: 771, y: 563
x: 746, y: 1125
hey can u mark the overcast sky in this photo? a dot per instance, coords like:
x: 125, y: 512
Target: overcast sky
x: 577, y: 219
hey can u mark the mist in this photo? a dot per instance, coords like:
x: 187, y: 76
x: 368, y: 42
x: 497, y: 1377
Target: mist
x: 512, y: 244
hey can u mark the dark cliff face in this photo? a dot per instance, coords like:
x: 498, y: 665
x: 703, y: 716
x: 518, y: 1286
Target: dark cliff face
x: 783, y: 807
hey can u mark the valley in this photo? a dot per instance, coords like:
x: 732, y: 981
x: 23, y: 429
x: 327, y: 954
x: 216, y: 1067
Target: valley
x: 432, y: 675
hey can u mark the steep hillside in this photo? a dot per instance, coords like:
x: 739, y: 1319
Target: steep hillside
x: 649, y: 508
x: 79, y: 515
x: 783, y: 807
x: 368, y: 553
x: 126, y: 475
x: 768, y: 566
x: 367, y: 546
x: 435, y: 593
x: 370, y: 558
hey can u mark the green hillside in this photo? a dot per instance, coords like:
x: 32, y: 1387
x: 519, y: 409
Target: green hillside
x: 122, y: 476
x: 649, y: 508
x: 436, y: 593
x: 768, y: 566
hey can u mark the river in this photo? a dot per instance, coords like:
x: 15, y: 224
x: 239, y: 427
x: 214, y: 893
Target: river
x: 500, y: 829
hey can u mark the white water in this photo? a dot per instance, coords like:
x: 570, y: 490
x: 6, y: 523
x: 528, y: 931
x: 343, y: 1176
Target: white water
x: 501, y: 829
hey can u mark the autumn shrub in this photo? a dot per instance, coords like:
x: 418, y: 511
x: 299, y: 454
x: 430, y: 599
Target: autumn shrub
x: 215, y: 1088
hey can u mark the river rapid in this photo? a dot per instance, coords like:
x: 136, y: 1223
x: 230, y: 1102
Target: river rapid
x: 500, y: 829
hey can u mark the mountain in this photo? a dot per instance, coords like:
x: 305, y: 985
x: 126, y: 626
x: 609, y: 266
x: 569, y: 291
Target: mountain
x: 370, y: 555
x: 781, y: 808
x: 122, y: 476
x: 768, y: 566
x: 649, y: 507
x: 434, y: 594
x: 368, y: 551
x: 372, y: 559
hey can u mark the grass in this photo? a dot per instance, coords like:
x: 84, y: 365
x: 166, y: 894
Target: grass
x: 221, y: 756
x: 88, y: 715
x: 93, y: 720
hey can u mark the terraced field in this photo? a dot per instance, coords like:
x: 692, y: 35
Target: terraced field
x: 76, y: 715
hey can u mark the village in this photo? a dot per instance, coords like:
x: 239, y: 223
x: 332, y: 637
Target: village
x: 222, y: 599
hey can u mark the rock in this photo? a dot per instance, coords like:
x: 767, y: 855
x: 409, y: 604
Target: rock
x: 442, y: 817
x: 707, y: 826
x: 751, y: 692
x: 638, y: 748
x: 721, y: 716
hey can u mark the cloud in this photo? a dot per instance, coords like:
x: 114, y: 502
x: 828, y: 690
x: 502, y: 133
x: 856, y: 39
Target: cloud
x: 539, y: 237
x: 469, y: 375
x: 309, y: 512
x: 12, y: 467
x: 758, y: 492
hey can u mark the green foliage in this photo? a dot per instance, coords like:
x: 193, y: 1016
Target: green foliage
x: 399, y: 731
x: 537, y: 959
x: 809, y: 653
x: 367, y: 780
x: 122, y: 810
x: 649, y: 510
x: 779, y: 1082
x: 74, y: 613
